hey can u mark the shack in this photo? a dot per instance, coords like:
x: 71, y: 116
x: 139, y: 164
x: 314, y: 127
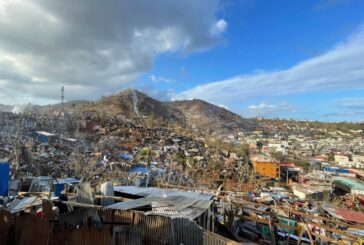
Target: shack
x: 47, y: 184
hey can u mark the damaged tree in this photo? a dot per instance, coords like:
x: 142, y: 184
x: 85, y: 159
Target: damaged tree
x: 146, y: 155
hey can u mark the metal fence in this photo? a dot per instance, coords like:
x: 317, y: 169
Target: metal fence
x: 119, y: 227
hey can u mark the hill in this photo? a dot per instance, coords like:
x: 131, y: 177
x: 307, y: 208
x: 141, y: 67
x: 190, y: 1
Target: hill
x: 134, y: 104
x: 6, y: 108
x: 203, y: 115
x: 192, y: 114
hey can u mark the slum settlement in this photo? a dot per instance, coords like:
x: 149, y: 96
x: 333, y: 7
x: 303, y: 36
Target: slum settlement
x: 94, y: 176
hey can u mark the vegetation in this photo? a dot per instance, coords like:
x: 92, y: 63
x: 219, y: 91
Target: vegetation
x: 145, y: 154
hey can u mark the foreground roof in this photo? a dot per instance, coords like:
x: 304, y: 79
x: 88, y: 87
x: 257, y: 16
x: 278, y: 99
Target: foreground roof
x: 172, y: 206
x: 160, y: 192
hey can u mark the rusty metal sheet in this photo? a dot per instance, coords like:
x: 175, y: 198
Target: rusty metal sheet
x: 6, y: 222
x: 124, y: 227
x: 31, y: 230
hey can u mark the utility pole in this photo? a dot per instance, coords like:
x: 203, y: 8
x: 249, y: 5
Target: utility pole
x: 62, y: 98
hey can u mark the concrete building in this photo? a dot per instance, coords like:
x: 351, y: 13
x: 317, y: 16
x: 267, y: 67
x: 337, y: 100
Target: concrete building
x: 265, y: 166
x: 342, y: 160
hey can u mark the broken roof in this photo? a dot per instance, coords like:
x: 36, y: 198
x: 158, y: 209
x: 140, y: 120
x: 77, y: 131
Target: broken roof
x: 262, y: 157
x: 20, y: 204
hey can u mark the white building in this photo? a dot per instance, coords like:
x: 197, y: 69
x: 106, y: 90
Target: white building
x: 342, y: 160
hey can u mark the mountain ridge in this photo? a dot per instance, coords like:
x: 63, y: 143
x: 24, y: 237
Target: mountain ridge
x: 133, y: 104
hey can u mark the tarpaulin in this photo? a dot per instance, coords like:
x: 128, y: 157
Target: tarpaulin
x: 4, y: 179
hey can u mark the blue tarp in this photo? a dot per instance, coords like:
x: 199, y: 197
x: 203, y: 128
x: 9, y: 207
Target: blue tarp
x: 336, y: 170
x: 4, y: 179
x: 134, y: 170
x: 42, y: 138
x: 57, y: 186
x: 126, y: 157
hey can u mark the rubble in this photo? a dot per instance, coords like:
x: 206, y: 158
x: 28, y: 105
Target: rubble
x: 92, y: 171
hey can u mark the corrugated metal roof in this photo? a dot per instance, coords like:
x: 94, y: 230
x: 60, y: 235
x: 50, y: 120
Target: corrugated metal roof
x: 172, y: 206
x: 141, y: 202
x: 160, y: 192
x: 346, y: 215
x: 291, y: 169
x: 349, y: 183
x: 180, y: 207
x: 21, y: 203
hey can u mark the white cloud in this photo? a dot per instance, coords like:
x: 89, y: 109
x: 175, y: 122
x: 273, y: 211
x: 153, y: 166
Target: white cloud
x: 264, y: 109
x: 341, y: 68
x: 157, y: 79
x: 224, y: 106
x: 160, y: 94
x: 349, y: 104
x: 93, y: 47
x: 219, y: 27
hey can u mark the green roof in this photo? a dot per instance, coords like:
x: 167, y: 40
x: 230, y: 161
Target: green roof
x: 348, y: 183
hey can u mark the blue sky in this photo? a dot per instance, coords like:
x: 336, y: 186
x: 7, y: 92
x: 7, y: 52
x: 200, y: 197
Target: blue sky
x: 266, y: 36
x: 301, y: 59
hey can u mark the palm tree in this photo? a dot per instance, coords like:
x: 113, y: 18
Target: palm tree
x: 146, y: 155
x: 181, y: 161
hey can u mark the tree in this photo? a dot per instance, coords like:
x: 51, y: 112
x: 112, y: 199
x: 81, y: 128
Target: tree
x: 243, y: 152
x: 145, y: 154
x: 181, y: 161
x: 278, y: 156
x: 331, y: 156
x: 16, y: 144
x: 259, y: 146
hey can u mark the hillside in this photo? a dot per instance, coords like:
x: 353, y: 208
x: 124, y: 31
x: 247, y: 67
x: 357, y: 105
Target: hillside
x: 196, y: 114
x: 200, y: 114
x: 134, y: 104
x: 6, y: 108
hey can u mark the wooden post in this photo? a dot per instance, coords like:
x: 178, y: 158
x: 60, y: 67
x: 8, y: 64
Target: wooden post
x: 272, y: 235
x: 309, y: 234
x: 300, y: 236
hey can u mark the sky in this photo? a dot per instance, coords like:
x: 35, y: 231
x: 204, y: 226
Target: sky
x: 299, y: 59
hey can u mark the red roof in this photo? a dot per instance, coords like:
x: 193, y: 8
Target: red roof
x: 346, y: 215
x: 360, y: 198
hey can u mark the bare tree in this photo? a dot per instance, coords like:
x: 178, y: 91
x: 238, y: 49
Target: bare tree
x: 15, y: 143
